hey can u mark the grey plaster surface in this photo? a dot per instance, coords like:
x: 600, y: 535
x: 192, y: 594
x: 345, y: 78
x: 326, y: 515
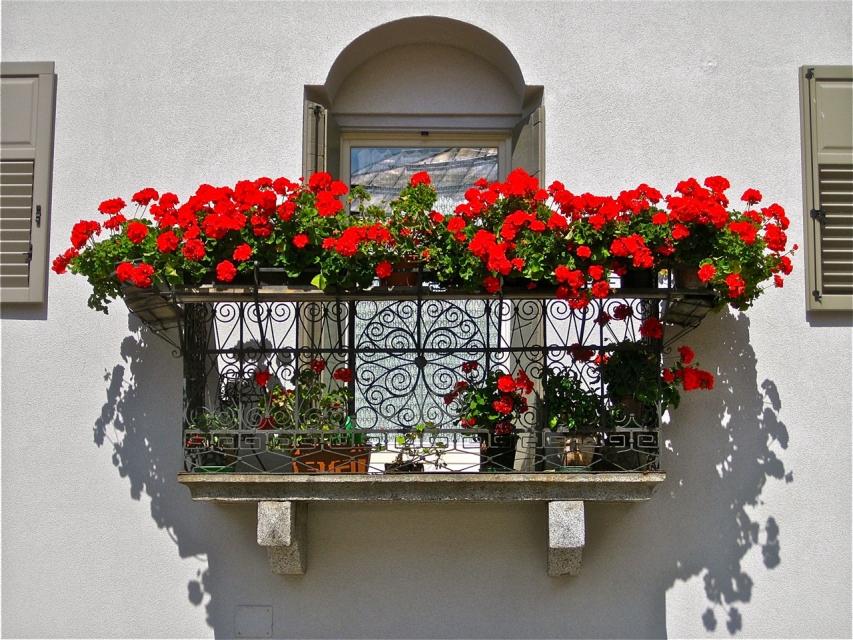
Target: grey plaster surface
x: 422, y: 487
x: 281, y: 528
x: 566, y: 537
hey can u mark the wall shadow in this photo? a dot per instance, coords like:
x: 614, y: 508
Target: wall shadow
x: 721, y: 453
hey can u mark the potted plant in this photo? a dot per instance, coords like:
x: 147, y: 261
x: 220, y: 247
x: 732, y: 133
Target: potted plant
x: 639, y: 388
x: 734, y: 252
x: 573, y: 413
x: 413, y: 453
x: 212, y: 449
x: 330, y: 442
x: 490, y: 406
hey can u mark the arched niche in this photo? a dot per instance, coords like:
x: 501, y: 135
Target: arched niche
x: 424, y: 74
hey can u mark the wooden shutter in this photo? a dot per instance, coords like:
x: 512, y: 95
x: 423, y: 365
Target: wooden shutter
x: 528, y: 144
x: 321, y: 141
x: 827, y: 132
x: 26, y: 158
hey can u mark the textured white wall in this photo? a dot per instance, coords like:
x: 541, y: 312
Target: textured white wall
x: 749, y: 535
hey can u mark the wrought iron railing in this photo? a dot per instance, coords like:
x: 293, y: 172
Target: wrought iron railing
x: 285, y: 379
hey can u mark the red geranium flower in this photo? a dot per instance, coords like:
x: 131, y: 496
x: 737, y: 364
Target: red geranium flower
x: 706, y: 272
x: 124, y: 272
x: 687, y: 354
x: 318, y: 365
x: 319, y: 181
x: 491, y: 284
x: 136, y: 232
x: 145, y: 196
x: 242, y: 253
x: 623, y: 311
x: 300, y: 240
x: 503, y: 428
x: 141, y: 275
x: 422, y: 177
x: 506, y: 384
x: 226, y: 271
x: 583, y: 252
x: 737, y: 286
x: 651, y: 328
x: 262, y: 377
x: 601, y: 289
x: 111, y: 207
x: 503, y: 405
x: 60, y: 263
x: 193, y: 250
x: 383, y: 269
x: 343, y: 374
x: 751, y: 196
x: 468, y: 367
x: 167, y: 242
x: 82, y: 231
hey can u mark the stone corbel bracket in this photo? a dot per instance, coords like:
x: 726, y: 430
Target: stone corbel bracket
x: 281, y: 529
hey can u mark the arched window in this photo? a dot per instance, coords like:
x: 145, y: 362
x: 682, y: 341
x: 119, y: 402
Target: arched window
x: 424, y: 93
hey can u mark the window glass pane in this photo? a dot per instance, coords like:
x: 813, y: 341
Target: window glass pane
x: 384, y: 171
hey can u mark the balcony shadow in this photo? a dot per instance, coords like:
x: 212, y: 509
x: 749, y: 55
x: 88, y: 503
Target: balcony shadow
x: 721, y: 451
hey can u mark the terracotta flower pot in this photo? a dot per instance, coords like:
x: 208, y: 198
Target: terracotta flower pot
x: 579, y: 450
x: 330, y: 458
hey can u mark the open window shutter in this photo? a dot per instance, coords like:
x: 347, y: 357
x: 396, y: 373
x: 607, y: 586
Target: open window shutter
x: 26, y: 157
x: 528, y: 144
x: 321, y: 140
x: 827, y: 94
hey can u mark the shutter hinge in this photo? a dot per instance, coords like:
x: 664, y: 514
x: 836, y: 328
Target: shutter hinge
x: 38, y: 215
x: 819, y: 215
x: 30, y: 254
x: 816, y: 295
x: 810, y: 73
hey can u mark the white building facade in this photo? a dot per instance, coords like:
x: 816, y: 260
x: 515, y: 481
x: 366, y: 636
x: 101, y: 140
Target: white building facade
x: 748, y: 536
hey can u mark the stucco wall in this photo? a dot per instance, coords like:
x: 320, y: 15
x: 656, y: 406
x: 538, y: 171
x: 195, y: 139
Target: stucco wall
x: 750, y: 534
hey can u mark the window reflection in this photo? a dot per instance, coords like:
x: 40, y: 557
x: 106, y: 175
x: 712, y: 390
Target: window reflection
x: 384, y: 171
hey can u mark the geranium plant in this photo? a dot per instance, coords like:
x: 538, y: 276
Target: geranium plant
x: 492, y: 403
x: 635, y: 380
x: 308, y: 404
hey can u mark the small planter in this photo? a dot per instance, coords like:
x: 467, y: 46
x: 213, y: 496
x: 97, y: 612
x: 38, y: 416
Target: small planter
x: 498, y: 453
x: 403, y: 274
x: 330, y: 458
x: 639, y: 279
x: 687, y: 277
x: 410, y: 466
x: 579, y: 450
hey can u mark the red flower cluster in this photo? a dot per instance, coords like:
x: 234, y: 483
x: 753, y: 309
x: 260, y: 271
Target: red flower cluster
x: 82, y: 231
x: 344, y: 374
x: 262, y: 377
x: 139, y: 275
x: 354, y: 238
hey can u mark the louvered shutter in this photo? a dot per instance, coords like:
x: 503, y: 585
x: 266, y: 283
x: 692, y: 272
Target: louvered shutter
x: 528, y: 144
x: 321, y: 141
x: 26, y: 157
x: 827, y: 105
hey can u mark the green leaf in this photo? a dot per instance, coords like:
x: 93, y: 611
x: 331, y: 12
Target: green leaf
x: 319, y: 281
